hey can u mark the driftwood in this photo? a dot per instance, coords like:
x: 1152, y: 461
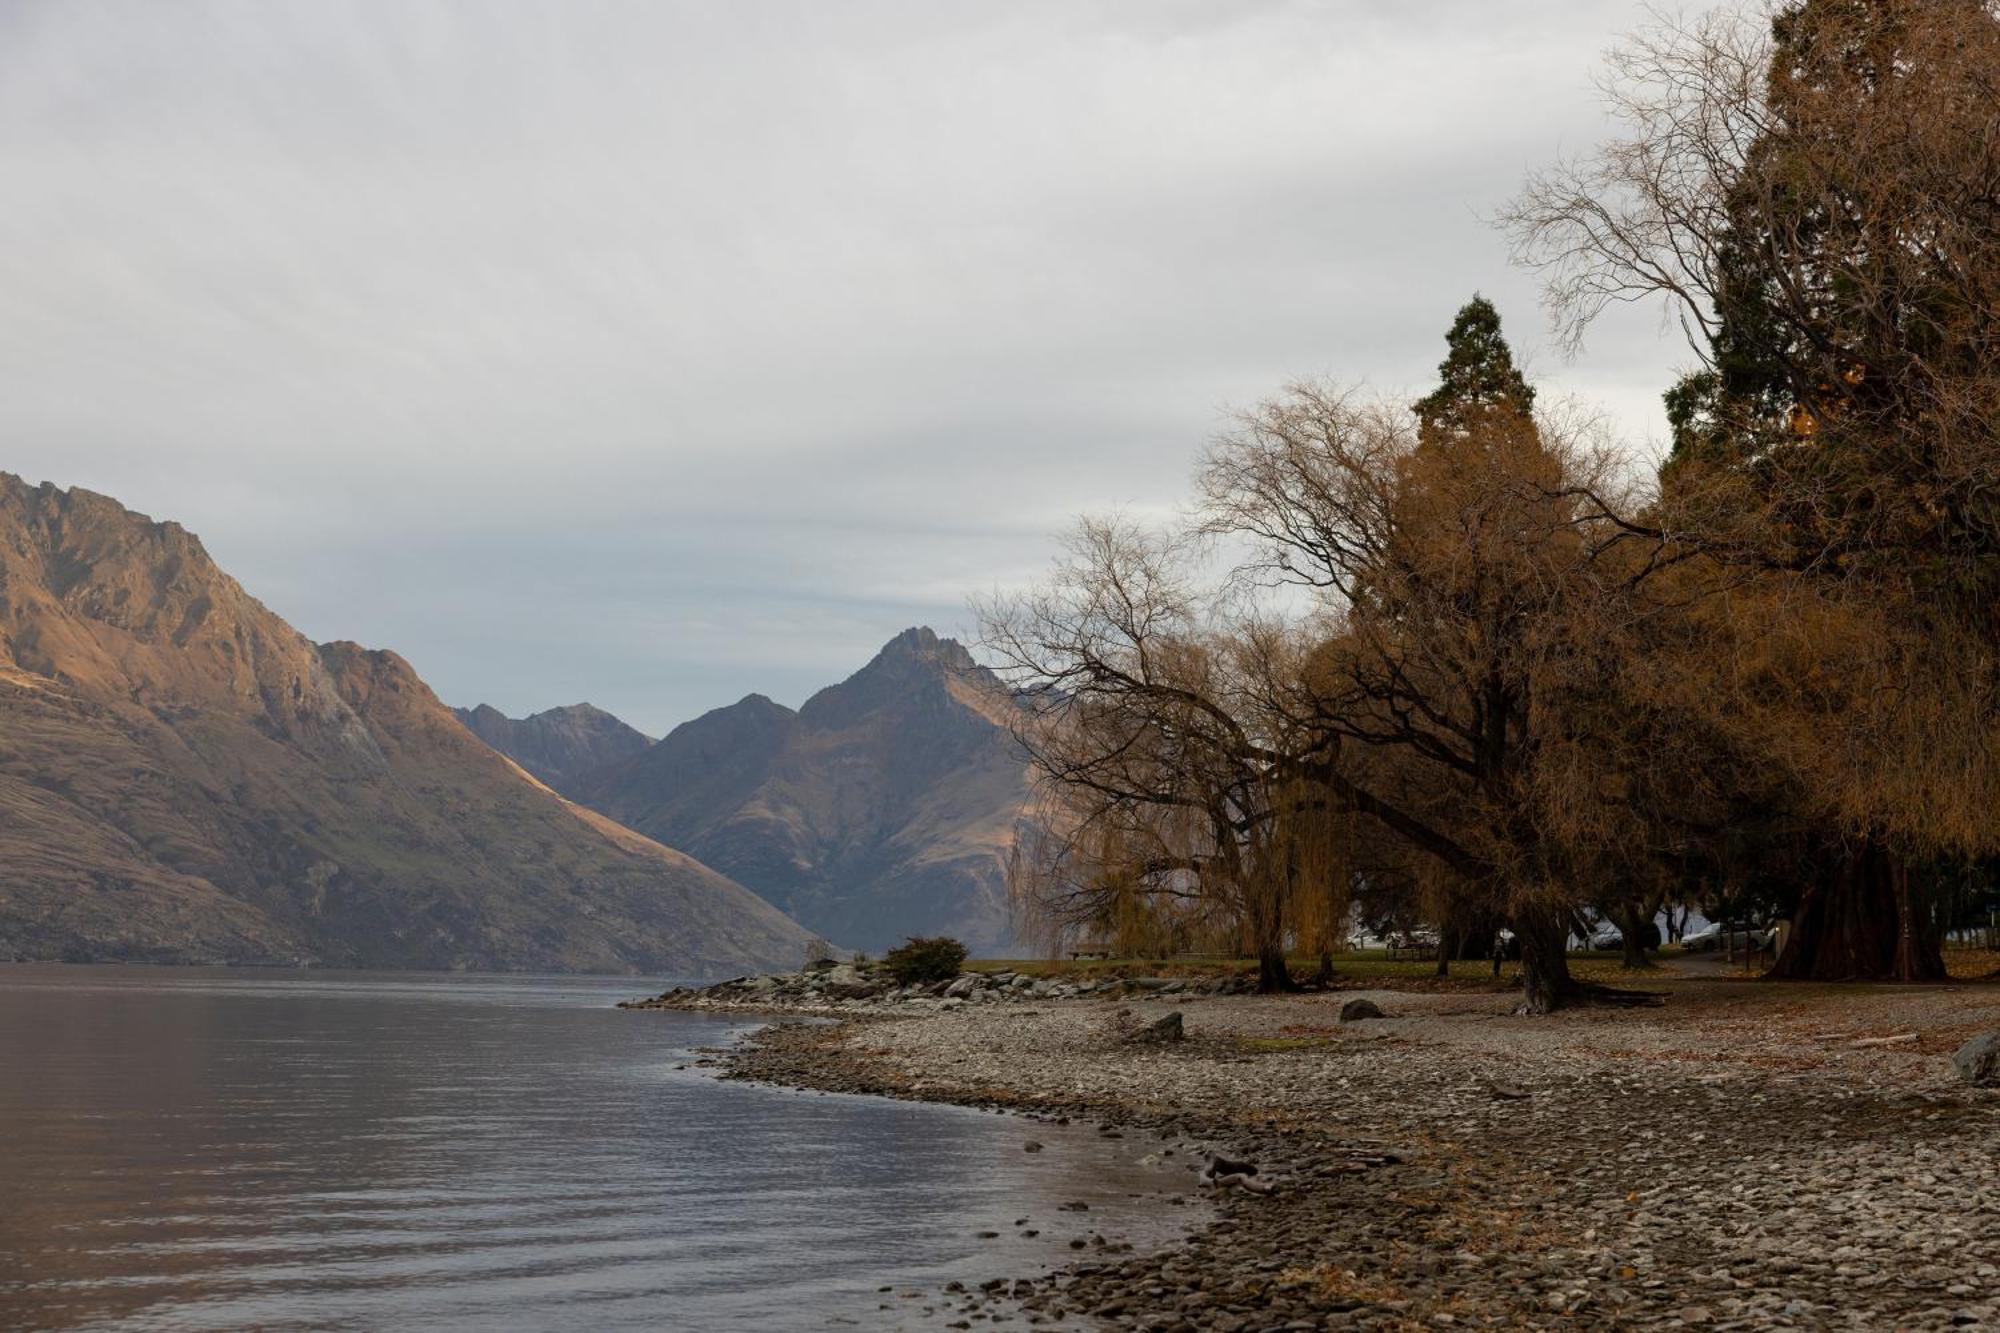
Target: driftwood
x: 1221, y: 1173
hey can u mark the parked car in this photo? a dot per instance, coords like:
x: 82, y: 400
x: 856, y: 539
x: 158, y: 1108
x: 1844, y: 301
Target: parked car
x: 1733, y: 938
x: 1708, y: 937
x: 1609, y: 936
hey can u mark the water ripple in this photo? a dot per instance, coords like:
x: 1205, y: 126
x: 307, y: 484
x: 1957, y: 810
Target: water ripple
x: 201, y: 1151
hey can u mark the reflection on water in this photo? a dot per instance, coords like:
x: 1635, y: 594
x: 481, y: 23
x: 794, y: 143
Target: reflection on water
x: 196, y: 1149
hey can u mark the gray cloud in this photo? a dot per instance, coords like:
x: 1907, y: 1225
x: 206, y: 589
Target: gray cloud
x: 654, y: 353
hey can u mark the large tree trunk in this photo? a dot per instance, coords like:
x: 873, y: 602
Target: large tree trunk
x: 1273, y: 976
x: 1862, y: 922
x: 1632, y: 923
x: 1545, y: 977
x: 1267, y: 934
x: 1476, y: 931
x: 1544, y: 961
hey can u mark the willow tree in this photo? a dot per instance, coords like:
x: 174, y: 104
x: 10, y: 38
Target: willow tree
x: 1170, y: 793
x: 1820, y: 203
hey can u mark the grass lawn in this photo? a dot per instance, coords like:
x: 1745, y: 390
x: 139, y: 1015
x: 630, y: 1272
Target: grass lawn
x: 1374, y: 967
x: 1972, y: 964
x: 1362, y: 967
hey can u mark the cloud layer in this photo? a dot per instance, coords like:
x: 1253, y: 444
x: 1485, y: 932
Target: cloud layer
x: 654, y: 353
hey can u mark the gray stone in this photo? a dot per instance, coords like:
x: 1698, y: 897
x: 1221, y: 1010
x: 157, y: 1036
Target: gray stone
x: 1167, y: 1029
x: 1978, y: 1061
x: 1354, y: 1011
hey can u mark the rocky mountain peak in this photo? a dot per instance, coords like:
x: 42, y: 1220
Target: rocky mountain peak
x: 885, y: 806
x: 577, y: 714
x: 184, y: 777
x: 922, y: 644
x: 560, y: 746
x: 106, y: 600
x: 915, y: 672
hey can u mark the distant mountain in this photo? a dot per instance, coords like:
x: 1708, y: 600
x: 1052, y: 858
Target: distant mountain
x: 185, y: 778
x: 885, y: 807
x: 558, y: 745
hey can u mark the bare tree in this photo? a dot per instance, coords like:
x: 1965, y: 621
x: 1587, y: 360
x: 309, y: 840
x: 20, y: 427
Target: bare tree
x: 1170, y: 801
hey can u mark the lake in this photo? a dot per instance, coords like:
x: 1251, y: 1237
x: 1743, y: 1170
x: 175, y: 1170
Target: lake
x: 215, y: 1149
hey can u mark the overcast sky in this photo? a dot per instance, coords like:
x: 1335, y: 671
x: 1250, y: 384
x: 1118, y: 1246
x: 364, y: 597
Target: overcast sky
x: 655, y: 353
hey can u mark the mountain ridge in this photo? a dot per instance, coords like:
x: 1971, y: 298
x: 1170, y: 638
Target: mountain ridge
x: 884, y: 806
x: 557, y: 745
x: 186, y: 778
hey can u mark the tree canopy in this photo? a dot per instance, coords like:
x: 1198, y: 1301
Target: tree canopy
x: 1467, y: 660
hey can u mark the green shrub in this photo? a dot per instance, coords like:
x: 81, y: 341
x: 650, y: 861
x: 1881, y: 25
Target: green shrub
x: 919, y: 962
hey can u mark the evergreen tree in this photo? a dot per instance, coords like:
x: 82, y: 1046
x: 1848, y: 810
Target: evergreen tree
x: 1478, y: 374
x: 1824, y: 208
x: 1854, y: 327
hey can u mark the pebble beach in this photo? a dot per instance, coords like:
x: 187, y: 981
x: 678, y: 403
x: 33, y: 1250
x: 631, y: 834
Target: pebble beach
x: 1747, y: 1156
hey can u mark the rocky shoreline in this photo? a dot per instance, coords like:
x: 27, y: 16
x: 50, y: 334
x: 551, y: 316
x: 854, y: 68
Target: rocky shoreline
x: 1741, y: 1159
x: 1224, y: 1272
x: 846, y: 988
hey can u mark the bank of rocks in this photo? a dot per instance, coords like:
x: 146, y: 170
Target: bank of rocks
x: 847, y: 987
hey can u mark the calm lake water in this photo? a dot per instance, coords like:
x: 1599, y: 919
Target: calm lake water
x: 206, y: 1149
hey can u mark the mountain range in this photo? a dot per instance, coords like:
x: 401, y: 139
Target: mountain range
x: 557, y: 745
x: 186, y: 778
x: 883, y: 807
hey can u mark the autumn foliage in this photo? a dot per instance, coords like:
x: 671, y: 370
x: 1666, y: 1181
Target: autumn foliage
x: 1467, y: 656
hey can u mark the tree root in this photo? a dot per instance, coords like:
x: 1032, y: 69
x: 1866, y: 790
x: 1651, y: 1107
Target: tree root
x: 1611, y: 997
x: 1588, y: 995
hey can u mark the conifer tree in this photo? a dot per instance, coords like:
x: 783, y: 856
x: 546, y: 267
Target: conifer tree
x: 1478, y: 375
x: 1821, y: 204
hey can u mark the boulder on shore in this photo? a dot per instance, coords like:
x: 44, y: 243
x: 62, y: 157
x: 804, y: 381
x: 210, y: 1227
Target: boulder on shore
x: 1978, y: 1061
x: 1167, y: 1029
x: 1354, y: 1011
